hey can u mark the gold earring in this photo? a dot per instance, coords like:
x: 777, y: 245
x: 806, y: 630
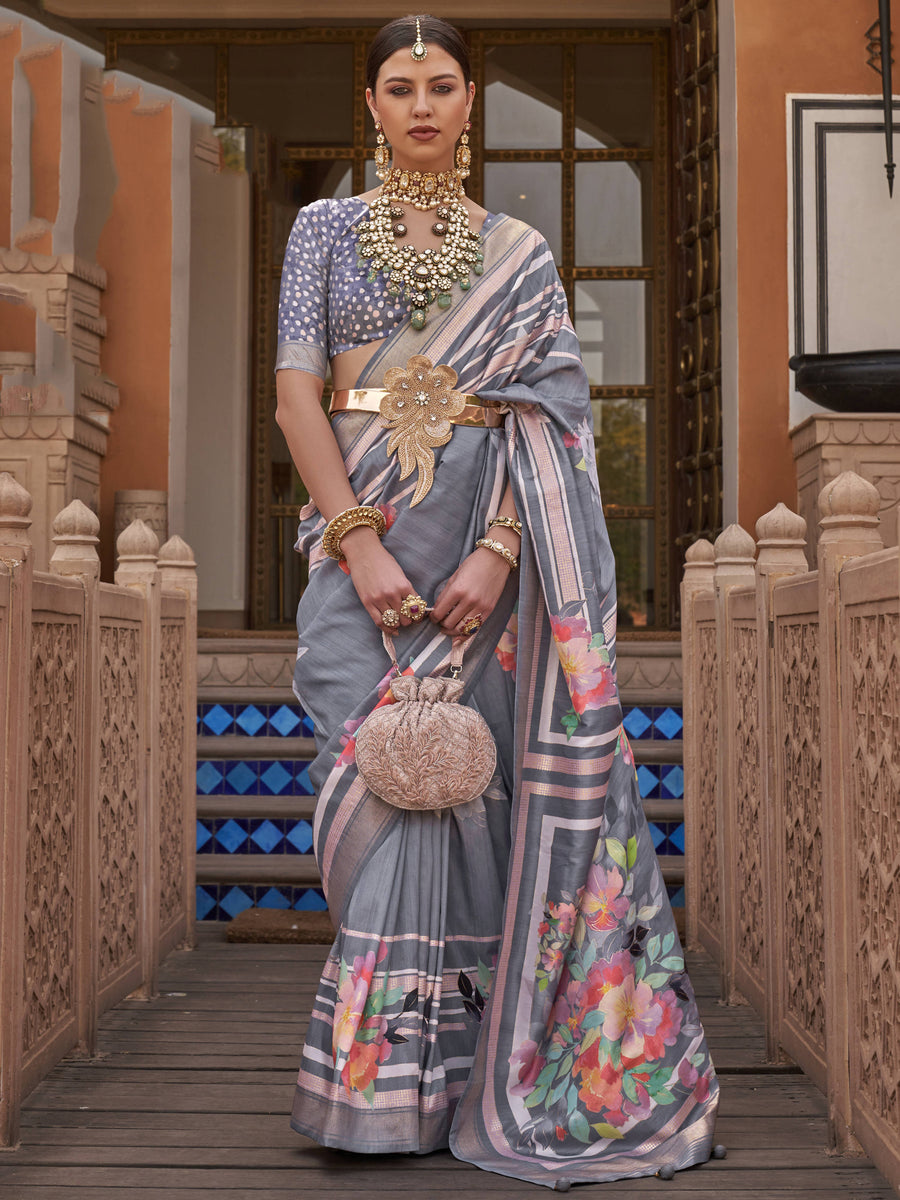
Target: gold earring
x: 382, y: 153
x: 463, y: 153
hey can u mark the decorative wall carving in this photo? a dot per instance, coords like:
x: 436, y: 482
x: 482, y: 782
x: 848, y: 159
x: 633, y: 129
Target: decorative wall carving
x: 797, y: 671
x: 751, y: 883
x: 707, y: 870
x: 120, y: 766
x: 171, y: 773
x: 874, y: 776
x: 50, y: 886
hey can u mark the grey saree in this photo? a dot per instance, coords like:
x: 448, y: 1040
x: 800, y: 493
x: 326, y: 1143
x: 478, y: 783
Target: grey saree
x: 506, y: 978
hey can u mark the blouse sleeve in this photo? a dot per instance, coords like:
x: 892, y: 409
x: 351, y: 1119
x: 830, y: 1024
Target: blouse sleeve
x: 303, y: 306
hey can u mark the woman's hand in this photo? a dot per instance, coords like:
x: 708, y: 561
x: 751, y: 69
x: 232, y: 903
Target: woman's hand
x: 379, y: 579
x: 471, y: 591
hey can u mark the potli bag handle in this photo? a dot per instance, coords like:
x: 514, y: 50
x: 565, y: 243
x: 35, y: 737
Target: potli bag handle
x: 458, y: 650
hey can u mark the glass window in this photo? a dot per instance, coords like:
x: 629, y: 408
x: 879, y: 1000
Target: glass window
x: 523, y: 97
x: 190, y: 70
x: 632, y: 541
x: 530, y: 191
x: 613, y: 96
x: 294, y: 92
x: 621, y: 438
x: 613, y: 214
x: 613, y: 321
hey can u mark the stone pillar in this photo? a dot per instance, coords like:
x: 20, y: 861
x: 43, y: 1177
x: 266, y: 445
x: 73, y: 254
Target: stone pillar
x: 137, y: 548
x: 143, y: 504
x: 848, y: 508
x: 826, y: 444
x: 699, y: 573
x: 781, y: 553
x: 735, y: 551
x: 178, y: 572
x: 75, y: 532
x: 16, y: 569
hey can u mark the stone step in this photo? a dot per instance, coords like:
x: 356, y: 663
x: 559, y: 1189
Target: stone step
x: 231, y: 746
x: 299, y: 870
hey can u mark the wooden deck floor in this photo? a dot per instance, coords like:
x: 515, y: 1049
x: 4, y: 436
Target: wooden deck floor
x: 189, y: 1100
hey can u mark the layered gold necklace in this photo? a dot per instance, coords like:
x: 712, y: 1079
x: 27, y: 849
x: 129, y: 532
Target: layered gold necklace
x: 422, y: 277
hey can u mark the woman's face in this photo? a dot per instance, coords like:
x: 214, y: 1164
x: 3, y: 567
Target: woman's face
x: 422, y: 107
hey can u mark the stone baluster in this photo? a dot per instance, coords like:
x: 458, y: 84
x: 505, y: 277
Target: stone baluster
x: 699, y: 572
x: 735, y: 552
x: 848, y: 520
x: 178, y: 572
x: 137, y: 547
x: 75, y: 537
x: 781, y: 546
x: 16, y: 570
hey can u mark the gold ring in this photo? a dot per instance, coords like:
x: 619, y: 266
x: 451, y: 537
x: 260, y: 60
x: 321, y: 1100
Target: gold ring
x: 390, y: 618
x: 413, y: 607
x: 471, y: 626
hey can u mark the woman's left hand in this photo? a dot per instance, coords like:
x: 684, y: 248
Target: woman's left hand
x: 471, y: 591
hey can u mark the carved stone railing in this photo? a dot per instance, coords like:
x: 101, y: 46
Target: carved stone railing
x: 97, y: 796
x: 792, y: 796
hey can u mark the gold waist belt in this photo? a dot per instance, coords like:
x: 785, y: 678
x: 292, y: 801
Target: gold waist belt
x: 420, y: 407
x: 475, y: 413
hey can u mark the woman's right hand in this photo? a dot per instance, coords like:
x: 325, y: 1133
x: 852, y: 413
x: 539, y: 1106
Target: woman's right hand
x: 379, y: 579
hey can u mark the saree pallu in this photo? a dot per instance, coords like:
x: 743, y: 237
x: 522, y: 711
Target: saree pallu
x: 506, y: 978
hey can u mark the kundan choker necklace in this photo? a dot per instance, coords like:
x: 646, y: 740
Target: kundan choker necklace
x: 420, y: 276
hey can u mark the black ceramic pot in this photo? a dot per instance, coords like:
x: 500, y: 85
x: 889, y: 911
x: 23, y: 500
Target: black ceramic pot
x: 860, y: 381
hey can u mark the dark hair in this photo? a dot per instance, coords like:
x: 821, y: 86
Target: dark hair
x: 400, y: 35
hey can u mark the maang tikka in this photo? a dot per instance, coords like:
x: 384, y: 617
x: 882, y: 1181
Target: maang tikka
x: 419, y: 51
x: 382, y: 152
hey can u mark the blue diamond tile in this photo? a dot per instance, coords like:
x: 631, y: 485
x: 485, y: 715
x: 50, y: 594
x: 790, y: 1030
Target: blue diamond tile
x: 273, y: 898
x: 275, y: 778
x: 676, y: 897
x: 230, y: 836
x: 673, y: 781
x: 251, y: 720
x: 209, y: 777
x: 241, y: 778
x: 309, y: 730
x: 301, y: 836
x: 217, y: 720
x: 669, y: 723
x: 647, y: 781
x: 676, y: 837
x: 312, y: 900
x: 235, y: 901
x: 657, y: 834
x: 302, y: 786
x: 285, y: 720
x: 205, y: 903
x: 637, y: 723
x: 267, y: 836
x: 203, y: 835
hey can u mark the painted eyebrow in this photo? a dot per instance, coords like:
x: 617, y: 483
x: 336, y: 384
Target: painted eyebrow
x: 433, y: 79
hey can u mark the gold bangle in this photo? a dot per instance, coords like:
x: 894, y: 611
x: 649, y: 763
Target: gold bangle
x: 508, y: 523
x: 498, y: 548
x: 350, y: 518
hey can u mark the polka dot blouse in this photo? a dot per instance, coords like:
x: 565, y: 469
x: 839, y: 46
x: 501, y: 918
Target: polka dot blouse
x: 327, y: 304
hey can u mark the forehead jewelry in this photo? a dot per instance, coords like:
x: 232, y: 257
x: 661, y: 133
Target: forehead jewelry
x: 419, y: 50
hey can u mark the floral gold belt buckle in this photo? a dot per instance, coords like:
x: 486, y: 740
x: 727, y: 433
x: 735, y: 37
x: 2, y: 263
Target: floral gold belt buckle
x: 418, y: 409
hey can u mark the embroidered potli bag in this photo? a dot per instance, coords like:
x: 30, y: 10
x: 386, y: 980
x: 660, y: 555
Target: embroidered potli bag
x: 426, y: 750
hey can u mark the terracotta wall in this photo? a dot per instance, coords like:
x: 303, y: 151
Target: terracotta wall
x: 10, y: 44
x: 781, y: 46
x: 135, y: 249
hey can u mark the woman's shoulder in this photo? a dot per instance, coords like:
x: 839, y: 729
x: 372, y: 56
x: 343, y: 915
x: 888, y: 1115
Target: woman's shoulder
x: 330, y: 216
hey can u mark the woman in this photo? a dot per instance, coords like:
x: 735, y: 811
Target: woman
x: 506, y: 977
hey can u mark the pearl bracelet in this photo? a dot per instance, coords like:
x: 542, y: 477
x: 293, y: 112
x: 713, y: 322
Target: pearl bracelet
x: 498, y: 548
x: 350, y: 518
